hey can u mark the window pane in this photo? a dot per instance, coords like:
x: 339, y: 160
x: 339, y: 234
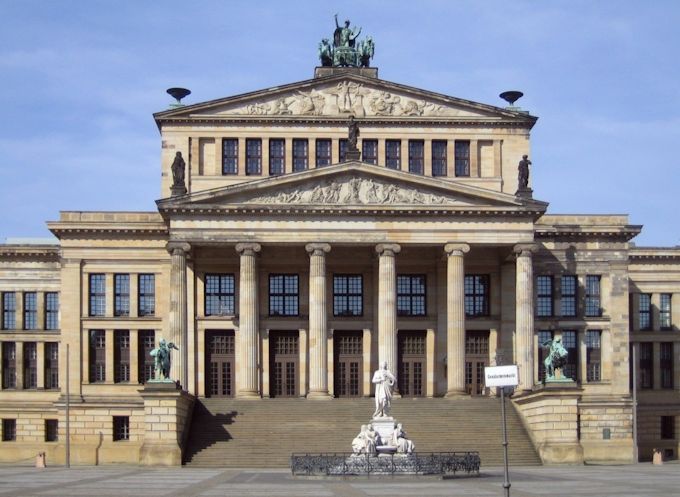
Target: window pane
x: 416, y: 151
x: 97, y: 294
x: 283, y: 294
x: 393, y: 154
x: 9, y: 306
x: 347, y: 295
x: 230, y: 156
x: 544, y: 296
x: 593, y: 296
x: 219, y: 294
x: 370, y: 151
x: 439, y: 162
x: 52, y: 311
x: 300, y: 156
x: 253, y: 156
x: 121, y: 303
x: 277, y: 154
x: 644, y: 312
x: 411, y: 295
x: 568, y: 298
x: 462, y: 158
x: 30, y: 310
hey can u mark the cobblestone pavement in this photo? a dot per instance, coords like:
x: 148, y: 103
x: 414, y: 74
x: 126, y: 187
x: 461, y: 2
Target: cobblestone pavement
x: 640, y: 480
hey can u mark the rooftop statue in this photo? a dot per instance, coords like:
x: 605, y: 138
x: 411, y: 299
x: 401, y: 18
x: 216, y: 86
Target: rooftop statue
x: 523, y: 172
x: 178, y: 166
x: 346, y: 50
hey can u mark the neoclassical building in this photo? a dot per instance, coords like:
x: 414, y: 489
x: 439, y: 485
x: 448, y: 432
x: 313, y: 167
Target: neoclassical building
x: 282, y: 262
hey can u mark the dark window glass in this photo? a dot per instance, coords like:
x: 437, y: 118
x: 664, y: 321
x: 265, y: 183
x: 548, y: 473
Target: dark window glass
x: 323, y: 152
x: 665, y: 311
x: 393, y: 154
x: 645, y: 311
x: 646, y: 365
x: 667, y: 427
x: 543, y: 350
x: 9, y: 430
x: 411, y: 295
x: 121, y: 428
x: 570, y: 343
x: 593, y: 307
x: 9, y: 306
x: 462, y: 158
x: 51, y: 311
x: 146, y: 294
x: 476, y: 295
x: 370, y: 151
x: 230, y: 156
x: 30, y: 311
x: 283, y: 294
x: 253, y: 156
x: 593, y: 355
x: 666, y: 364
x: 51, y: 365
x: 219, y: 294
x: 121, y: 294
x: 439, y: 162
x: 342, y: 149
x: 416, y: 156
x: 9, y: 365
x: 300, y: 155
x: 348, y: 295
x: 97, y: 294
x: 568, y: 295
x: 121, y: 356
x: 544, y: 296
x: 30, y: 365
x: 97, y: 356
x: 51, y: 430
x: 277, y: 156
x: 146, y: 343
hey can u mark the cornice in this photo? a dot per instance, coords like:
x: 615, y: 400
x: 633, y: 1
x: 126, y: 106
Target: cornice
x: 558, y: 233
x: 654, y: 253
x: 31, y: 252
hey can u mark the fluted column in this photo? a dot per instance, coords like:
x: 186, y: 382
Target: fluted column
x: 455, y: 318
x: 387, y: 304
x: 318, y: 328
x: 524, y: 315
x: 177, y: 319
x: 247, y: 336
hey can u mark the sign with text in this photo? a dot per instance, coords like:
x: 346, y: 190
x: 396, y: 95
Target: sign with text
x: 501, y: 376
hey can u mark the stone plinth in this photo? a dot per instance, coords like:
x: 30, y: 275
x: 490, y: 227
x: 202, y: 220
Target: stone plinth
x: 384, y: 427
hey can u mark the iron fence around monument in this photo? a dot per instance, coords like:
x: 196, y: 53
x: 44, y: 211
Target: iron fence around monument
x: 348, y: 464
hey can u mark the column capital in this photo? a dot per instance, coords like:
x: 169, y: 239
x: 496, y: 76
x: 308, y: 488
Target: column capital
x: 317, y: 248
x: 248, y: 248
x: 174, y: 248
x: 458, y: 249
x: 525, y: 249
x: 388, y: 249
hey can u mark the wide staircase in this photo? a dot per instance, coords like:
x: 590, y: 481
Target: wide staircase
x: 264, y: 433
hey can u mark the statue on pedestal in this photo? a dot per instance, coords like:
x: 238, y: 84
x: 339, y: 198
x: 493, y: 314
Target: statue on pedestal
x: 557, y: 358
x: 384, y: 381
x: 399, y: 440
x: 523, y: 173
x: 363, y: 443
x: 346, y: 50
x: 161, y: 362
x: 178, y: 165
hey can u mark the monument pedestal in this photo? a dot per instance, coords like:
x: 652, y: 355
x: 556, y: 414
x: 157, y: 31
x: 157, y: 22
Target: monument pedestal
x: 384, y: 426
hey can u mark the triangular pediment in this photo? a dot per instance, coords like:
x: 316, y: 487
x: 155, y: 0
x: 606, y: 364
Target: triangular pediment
x: 352, y: 185
x: 341, y: 96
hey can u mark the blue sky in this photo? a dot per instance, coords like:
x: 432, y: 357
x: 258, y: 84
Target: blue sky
x: 81, y: 79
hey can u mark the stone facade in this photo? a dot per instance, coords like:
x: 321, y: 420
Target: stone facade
x: 286, y: 270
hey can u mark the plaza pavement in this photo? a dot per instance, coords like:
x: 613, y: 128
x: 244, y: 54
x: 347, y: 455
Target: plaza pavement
x: 639, y: 480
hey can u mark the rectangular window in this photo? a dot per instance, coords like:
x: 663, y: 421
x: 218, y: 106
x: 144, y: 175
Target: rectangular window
x: 121, y: 428
x: 146, y: 294
x: 97, y: 356
x: 300, y: 154
x: 253, y: 156
x: 230, y: 156
x: 393, y: 154
x: 370, y: 151
x: 277, y: 156
x: 342, y: 149
x: 593, y: 307
x: 667, y: 427
x: 9, y: 365
x: 51, y: 365
x: 570, y: 343
x: 568, y: 289
x: 51, y: 430
x: 146, y: 343
x: 411, y: 295
x: 544, y: 296
x: 665, y: 321
x: 666, y: 364
x: 30, y: 311
x: 9, y: 430
x: 9, y: 307
x: 219, y: 294
x: 51, y: 311
x: 476, y: 295
x: 544, y: 338
x: 348, y: 295
x: 283, y: 294
x: 121, y: 356
x: 121, y: 294
x: 646, y: 365
x: 416, y: 156
x: 97, y: 295
x: 323, y: 152
x: 462, y: 158
x: 30, y: 365
x: 645, y: 311
x: 439, y: 162
x: 593, y: 355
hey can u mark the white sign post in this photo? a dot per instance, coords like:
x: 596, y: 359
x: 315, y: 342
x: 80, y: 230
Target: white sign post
x: 503, y: 376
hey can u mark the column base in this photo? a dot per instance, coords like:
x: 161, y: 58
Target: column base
x: 319, y: 395
x: 456, y: 394
x: 248, y: 395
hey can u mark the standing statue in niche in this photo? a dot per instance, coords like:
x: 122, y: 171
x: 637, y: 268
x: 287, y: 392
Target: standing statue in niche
x: 523, y: 173
x: 161, y: 362
x: 178, y: 165
x: 384, y: 382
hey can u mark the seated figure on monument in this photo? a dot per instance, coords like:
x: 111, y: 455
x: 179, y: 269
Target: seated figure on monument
x: 384, y: 381
x: 363, y: 443
x: 399, y: 440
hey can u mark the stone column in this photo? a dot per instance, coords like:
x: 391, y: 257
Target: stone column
x: 177, y: 318
x: 318, y: 328
x: 387, y: 304
x: 455, y: 318
x: 247, y: 336
x: 524, y: 315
